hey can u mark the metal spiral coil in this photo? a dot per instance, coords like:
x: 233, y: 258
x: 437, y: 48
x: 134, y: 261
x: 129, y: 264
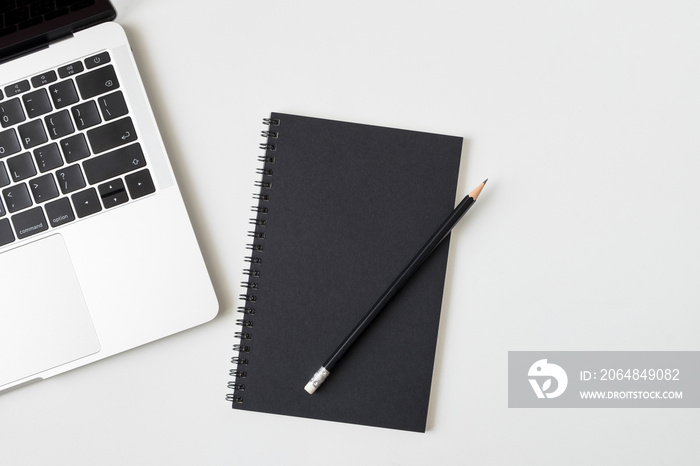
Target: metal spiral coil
x: 244, y: 323
x: 245, y: 335
x: 241, y: 348
x: 231, y: 398
x: 248, y: 298
x: 249, y: 285
x: 236, y: 386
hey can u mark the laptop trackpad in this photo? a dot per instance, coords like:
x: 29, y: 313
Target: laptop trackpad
x: 44, y: 321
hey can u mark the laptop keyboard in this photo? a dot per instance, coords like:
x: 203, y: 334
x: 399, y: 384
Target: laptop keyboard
x: 68, y: 148
x: 16, y: 15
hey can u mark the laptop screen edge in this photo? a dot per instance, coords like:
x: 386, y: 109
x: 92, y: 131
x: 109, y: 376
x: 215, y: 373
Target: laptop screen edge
x: 28, y: 40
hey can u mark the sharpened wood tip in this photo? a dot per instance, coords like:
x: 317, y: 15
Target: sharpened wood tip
x: 475, y: 194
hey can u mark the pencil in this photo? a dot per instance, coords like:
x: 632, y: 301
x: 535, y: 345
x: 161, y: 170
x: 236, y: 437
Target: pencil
x: 440, y: 234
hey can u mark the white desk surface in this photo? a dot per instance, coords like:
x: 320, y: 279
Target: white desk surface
x: 583, y: 115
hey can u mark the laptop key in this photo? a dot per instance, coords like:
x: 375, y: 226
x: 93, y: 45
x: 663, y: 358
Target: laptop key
x: 17, y: 88
x: 9, y: 144
x: 41, y: 7
x: 115, y: 163
x: 97, y: 82
x: 112, y: 135
x: 63, y: 93
x: 4, y: 179
x: 16, y: 197
x: 86, y: 202
x: 44, y: 79
x: 6, y: 5
x: 29, y: 223
x: 21, y: 167
x: 6, y: 235
x: 113, y: 105
x: 37, y: 103
x: 75, y: 148
x: 32, y: 134
x: 17, y: 15
x: 70, y: 179
x: 59, y: 124
x: 70, y: 70
x: 113, y: 193
x: 86, y: 115
x: 59, y: 212
x: 48, y: 157
x: 11, y: 113
x: 97, y: 60
x: 140, y: 184
x: 43, y: 188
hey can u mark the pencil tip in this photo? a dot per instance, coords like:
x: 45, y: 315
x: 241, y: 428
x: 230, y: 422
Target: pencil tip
x: 475, y: 194
x: 485, y: 181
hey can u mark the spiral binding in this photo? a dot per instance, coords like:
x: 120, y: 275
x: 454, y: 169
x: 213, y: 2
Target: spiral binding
x: 255, y: 259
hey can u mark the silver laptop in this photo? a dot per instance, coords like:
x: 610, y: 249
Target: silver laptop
x: 97, y: 254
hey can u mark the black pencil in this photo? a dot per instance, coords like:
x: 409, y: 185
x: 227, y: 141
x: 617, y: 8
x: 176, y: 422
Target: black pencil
x: 427, y: 249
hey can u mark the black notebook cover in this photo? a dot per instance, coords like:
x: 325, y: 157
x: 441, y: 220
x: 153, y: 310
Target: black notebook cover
x: 342, y: 209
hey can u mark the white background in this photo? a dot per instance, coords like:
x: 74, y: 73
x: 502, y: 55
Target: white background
x: 585, y: 117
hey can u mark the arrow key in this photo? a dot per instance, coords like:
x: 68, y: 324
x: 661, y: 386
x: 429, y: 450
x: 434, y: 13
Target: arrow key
x: 86, y: 202
x: 140, y: 184
x: 113, y: 193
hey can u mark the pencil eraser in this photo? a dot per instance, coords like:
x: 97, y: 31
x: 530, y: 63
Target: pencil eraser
x: 310, y: 387
x: 316, y: 380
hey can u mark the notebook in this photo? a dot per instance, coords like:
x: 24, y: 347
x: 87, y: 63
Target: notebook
x: 342, y: 208
x: 97, y: 253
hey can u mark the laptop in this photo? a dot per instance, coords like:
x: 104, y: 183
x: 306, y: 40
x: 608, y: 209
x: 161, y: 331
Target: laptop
x: 97, y: 253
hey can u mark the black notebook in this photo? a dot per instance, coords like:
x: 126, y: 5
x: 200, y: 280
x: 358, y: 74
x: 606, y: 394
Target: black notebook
x: 342, y: 208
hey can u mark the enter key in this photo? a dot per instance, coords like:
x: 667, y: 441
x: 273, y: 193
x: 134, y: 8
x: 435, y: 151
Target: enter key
x: 109, y: 136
